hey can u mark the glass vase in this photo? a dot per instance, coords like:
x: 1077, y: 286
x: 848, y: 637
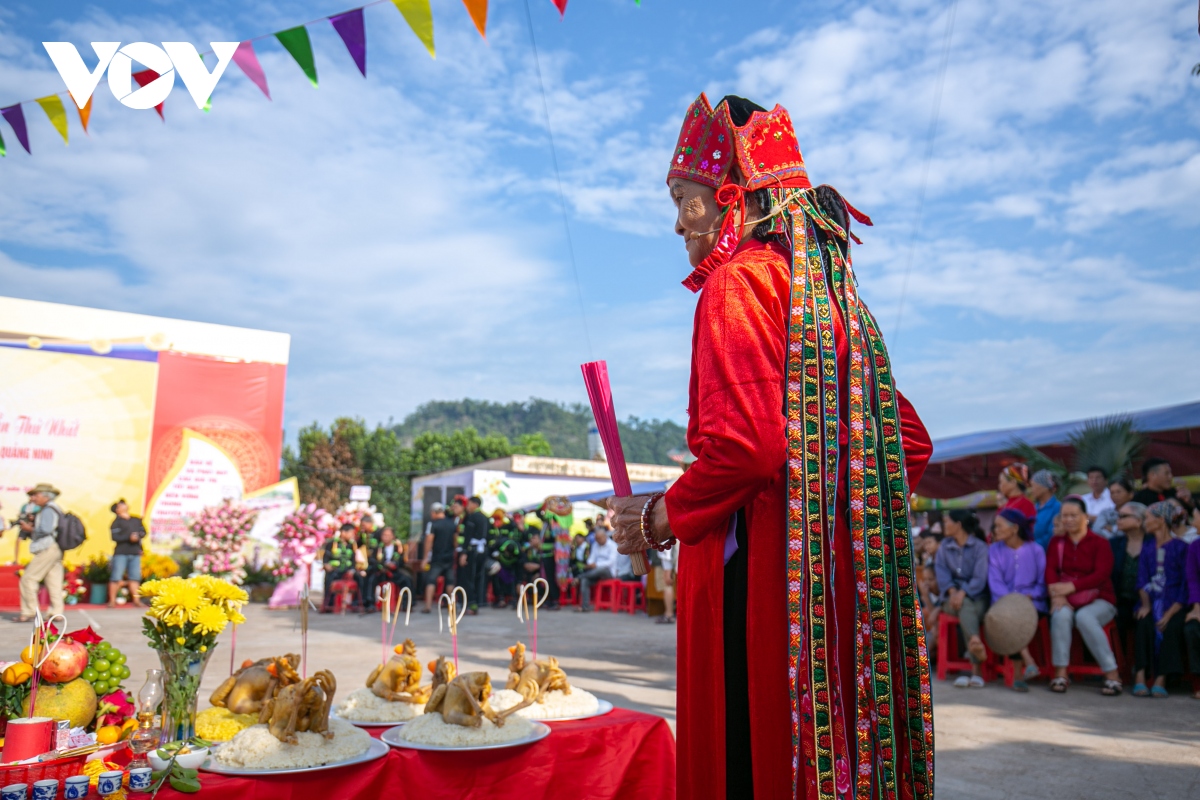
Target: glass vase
x: 182, y: 673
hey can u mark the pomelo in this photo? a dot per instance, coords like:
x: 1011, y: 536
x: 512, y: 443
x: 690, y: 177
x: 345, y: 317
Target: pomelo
x: 74, y: 701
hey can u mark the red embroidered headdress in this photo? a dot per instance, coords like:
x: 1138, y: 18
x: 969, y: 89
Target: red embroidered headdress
x: 764, y: 149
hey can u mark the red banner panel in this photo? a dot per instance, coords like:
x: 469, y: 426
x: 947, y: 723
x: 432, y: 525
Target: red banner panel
x: 236, y: 404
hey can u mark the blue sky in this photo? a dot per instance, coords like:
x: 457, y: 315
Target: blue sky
x: 406, y: 228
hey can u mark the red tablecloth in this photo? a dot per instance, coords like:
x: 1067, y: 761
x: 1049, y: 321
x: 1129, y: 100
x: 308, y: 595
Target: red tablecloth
x: 621, y: 754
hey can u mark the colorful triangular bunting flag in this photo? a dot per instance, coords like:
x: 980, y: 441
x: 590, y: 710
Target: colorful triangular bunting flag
x: 53, y: 106
x: 420, y: 19
x: 16, y: 118
x: 296, y: 41
x: 245, y: 58
x: 478, y: 11
x: 561, y: 5
x: 85, y: 113
x: 145, y: 77
x: 350, y: 27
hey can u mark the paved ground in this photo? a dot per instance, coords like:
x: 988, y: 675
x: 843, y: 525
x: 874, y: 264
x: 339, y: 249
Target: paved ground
x: 991, y: 743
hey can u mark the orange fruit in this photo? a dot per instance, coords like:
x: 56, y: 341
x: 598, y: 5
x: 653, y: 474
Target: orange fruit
x: 108, y: 734
x: 27, y: 654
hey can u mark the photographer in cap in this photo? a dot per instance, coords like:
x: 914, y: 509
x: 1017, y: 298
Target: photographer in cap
x: 47, y: 564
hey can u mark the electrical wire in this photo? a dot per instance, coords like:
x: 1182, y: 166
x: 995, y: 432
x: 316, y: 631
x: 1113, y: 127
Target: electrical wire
x: 930, y: 138
x: 562, y: 198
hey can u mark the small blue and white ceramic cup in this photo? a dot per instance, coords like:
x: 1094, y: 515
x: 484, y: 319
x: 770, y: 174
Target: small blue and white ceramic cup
x: 45, y: 790
x: 14, y: 791
x: 139, y: 779
x: 110, y: 782
x: 76, y: 787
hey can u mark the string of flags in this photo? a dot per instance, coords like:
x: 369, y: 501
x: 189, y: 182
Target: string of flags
x: 349, y: 25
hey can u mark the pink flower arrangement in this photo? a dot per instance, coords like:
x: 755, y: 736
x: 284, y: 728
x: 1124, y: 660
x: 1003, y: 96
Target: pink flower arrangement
x: 301, y: 536
x: 217, y: 534
x: 354, y: 511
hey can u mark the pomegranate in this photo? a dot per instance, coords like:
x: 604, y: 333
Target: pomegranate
x: 66, y: 662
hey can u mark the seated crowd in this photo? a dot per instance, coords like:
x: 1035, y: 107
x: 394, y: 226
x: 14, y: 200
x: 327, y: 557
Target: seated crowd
x: 464, y: 547
x: 1110, y: 555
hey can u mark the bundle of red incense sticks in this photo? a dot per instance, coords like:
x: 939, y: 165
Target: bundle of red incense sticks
x: 595, y: 377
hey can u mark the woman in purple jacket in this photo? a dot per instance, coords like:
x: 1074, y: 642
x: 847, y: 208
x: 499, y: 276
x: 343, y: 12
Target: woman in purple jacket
x: 1017, y: 564
x: 1158, y: 644
x: 1191, y: 625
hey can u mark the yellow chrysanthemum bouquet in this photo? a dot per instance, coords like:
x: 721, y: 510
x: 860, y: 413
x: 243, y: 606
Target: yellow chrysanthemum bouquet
x: 184, y: 619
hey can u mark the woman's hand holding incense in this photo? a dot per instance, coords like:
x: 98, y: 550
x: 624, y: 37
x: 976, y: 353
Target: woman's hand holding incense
x: 627, y: 523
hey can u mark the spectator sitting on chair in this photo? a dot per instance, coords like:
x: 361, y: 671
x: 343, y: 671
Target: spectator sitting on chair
x: 1079, y: 581
x: 1161, y: 587
x: 529, y: 565
x: 386, y: 565
x: 1097, y: 498
x: 579, y: 555
x: 338, y: 560
x: 39, y: 524
x: 1191, y: 625
x: 1183, y: 528
x: 962, y: 574
x: 1013, y: 483
x: 668, y: 560
x: 1017, y: 565
x: 624, y: 568
x: 1042, y: 488
x: 126, y: 565
x: 1120, y: 492
x: 1158, y: 484
x: 927, y: 585
x: 1127, y: 549
x: 601, y: 565
x: 368, y: 538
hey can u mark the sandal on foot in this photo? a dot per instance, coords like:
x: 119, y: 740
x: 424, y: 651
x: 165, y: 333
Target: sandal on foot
x: 976, y: 682
x: 1020, y: 686
x: 1159, y: 691
x: 1059, y: 685
x: 1140, y: 690
x: 1111, y: 688
x: 1031, y: 672
x: 962, y: 681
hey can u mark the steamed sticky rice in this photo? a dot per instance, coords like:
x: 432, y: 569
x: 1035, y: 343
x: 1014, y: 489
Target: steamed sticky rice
x: 256, y: 748
x: 432, y: 729
x: 556, y: 705
x: 362, y: 705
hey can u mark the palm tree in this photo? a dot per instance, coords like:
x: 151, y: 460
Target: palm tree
x: 1111, y: 443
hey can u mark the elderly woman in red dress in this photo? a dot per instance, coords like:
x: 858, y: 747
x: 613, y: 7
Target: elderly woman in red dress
x: 802, y: 666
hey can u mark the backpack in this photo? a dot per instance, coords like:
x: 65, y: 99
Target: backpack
x: 70, y: 531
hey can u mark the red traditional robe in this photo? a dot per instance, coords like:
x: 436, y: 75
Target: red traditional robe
x: 736, y: 429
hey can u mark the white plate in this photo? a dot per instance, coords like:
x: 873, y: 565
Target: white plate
x: 365, y: 724
x: 391, y: 736
x: 377, y: 750
x: 604, y: 708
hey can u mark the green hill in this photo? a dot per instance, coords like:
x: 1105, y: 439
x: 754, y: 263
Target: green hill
x: 564, y: 426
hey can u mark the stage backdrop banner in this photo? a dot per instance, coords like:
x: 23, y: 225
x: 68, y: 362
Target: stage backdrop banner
x: 203, y: 475
x: 81, y: 423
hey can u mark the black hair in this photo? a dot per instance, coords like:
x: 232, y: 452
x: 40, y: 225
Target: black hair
x: 1077, y: 501
x: 929, y: 534
x: 1151, y: 463
x: 970, y: 522
x: 113, y: 507
x: 1124, y: 483
x: 740, y: 109
x: 1101, y: 470
x: 346, y: 526
x: 475, y: 499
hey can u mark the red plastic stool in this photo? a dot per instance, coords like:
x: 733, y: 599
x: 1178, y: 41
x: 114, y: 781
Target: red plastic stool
x: 606, y: 595
x: 948, y: 659
x: 345, y: 594
x: 1078, y: 666
x: 570, y: 595
x: 631, y: 597
x: 1039, y: 649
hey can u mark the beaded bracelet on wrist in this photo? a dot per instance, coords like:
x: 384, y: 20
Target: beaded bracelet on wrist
x: 647, y: 511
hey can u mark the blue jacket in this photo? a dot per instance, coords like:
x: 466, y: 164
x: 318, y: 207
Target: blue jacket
x: 963, y: 568
x: 1043, y: 526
